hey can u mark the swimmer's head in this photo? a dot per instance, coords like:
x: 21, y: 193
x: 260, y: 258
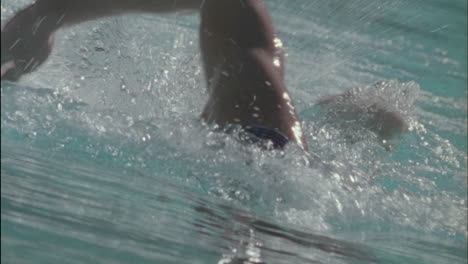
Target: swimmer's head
x: 388, y: 126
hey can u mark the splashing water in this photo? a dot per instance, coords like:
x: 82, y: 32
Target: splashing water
x: 104, y: 159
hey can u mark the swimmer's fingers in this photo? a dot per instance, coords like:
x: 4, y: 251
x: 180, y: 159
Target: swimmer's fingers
x: 8, y: 71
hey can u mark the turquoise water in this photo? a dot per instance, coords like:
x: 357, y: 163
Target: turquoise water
x: 103, y: 159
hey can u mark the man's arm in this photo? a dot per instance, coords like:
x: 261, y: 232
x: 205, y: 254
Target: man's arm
x: 243, y: 62
x: 26, y: 39
x: 72, y: 11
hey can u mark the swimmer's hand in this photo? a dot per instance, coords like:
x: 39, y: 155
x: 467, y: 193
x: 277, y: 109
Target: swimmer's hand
x: 26, y: 43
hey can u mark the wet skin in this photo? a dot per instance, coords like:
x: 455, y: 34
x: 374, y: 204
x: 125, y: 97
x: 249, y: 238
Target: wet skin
x: 242, y: 56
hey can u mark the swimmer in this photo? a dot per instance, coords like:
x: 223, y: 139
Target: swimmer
x: 242, y: 57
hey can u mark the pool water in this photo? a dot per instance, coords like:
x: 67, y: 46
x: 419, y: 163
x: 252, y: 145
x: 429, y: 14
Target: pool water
x: 104, y: 160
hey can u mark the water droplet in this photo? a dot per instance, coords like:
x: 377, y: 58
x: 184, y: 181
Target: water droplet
x: 276, y: 62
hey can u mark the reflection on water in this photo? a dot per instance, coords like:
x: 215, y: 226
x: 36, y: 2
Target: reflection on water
x: 128, y: 217
x: 50, y: 202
